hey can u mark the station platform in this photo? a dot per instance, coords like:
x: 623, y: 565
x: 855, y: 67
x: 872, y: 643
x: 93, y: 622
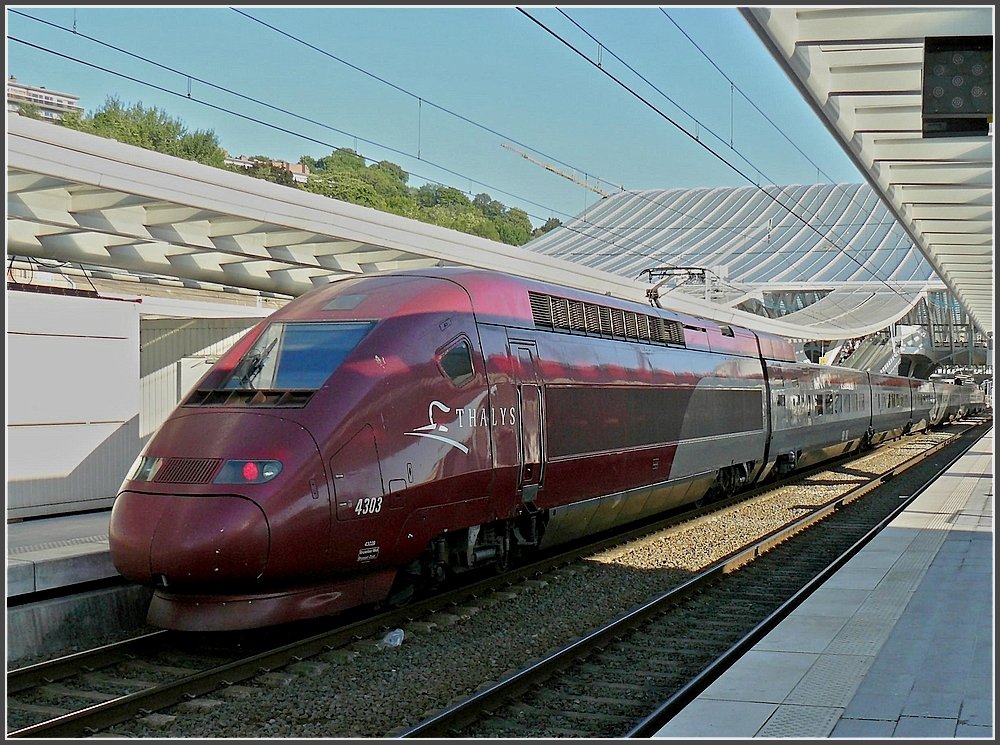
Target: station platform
x: 51, y: 553
x: 67, y: 559
x: 897, y: 643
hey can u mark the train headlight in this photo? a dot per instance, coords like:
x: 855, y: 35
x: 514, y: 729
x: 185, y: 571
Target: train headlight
x: 248, y: 471
x: 145, y: 468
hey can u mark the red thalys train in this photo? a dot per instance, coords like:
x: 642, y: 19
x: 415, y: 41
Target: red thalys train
x: 385, y: 431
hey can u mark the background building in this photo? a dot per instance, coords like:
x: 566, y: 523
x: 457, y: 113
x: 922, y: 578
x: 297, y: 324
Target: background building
x: 51, y: 104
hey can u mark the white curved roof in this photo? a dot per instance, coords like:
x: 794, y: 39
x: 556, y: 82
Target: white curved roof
x: 77, y: 198
x: 743, y: 234
x: 861, y: 69
x: 849, y: 247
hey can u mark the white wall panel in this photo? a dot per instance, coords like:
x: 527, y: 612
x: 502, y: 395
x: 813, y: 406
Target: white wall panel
x: 67, y: 315
x: 74, y: 467
x: 71, y: 379
x: 72, y: 401
x: 87, y: 383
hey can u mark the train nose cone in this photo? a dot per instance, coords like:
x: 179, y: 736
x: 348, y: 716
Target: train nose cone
x: 188, y: 540
x: 195, y: 522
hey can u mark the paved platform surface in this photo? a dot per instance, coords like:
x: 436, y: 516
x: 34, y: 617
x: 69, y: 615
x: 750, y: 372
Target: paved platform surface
x: 56, y: 552
x: 67, y: 556
x: 897, y: 644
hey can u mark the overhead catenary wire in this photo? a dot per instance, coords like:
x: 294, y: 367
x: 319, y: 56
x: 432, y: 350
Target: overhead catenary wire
x: 304, y: 136
x: 603, y: 69
x: 187, y: 95
x: 733, y: 86
x: 422, y: 100
x: 602, y: 47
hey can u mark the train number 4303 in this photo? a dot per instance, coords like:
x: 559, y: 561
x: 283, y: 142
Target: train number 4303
x: 368, y: 506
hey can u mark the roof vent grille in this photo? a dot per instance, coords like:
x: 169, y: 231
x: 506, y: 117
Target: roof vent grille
x: 576, y: 316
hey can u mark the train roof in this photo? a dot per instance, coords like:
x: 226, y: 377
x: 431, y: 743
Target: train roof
x: 506, y: 298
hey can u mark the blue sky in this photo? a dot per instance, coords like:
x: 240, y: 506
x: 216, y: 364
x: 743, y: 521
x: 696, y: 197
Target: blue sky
x: 439, y: 89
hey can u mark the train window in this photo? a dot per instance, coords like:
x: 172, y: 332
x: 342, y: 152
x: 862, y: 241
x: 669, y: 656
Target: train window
x: 296, y: 356
x: 780, y: 401
x: 819, y: 405
x: 456, y: 362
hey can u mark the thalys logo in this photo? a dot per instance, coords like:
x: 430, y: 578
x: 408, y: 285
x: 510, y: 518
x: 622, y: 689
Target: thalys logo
x: 462, y: 418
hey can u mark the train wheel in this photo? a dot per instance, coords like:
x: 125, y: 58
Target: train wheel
x: 403, y: 590
x: 730, y: 480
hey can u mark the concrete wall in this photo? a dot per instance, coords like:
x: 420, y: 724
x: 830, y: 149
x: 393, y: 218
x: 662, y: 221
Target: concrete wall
x: 72, y: 400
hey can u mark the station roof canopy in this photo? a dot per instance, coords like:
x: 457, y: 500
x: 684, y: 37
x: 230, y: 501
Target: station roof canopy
x: 79, y: 199
x: 837, y: 243
x: 908, y: 92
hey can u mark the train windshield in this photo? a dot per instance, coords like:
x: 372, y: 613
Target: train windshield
x: 296, y: 356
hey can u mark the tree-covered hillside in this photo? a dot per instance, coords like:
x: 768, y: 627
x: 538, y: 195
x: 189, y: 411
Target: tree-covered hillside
x: 343, y: 174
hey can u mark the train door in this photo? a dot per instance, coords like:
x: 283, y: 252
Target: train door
x: 529, y: 397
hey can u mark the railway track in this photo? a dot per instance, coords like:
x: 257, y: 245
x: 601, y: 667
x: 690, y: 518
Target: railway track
x: 649, y: 663
x: 91, y: 692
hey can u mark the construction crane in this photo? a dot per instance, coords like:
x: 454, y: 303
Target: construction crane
x: 557, y: 171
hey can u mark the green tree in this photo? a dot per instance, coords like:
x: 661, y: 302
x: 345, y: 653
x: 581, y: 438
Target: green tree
x: 433, y: 195
x: 30, y: 110
x: 465, y: 220
x: 343, y: 174
x: 202, y: 147
x: 136, y: 125
x: 392, y: 170
x: 341, y: 159
x: 491, y: 208
x: 149, y: 128
x: 550, y: 224
x: 388, y: 182
x: 514, y: 226
x: 347, y: 187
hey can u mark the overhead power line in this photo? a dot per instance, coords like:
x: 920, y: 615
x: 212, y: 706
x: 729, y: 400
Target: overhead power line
x: 635, y: 248
x: 614, y: 242
x: 603, y: 69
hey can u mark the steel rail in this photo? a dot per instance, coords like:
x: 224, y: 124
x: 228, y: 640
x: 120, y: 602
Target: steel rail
x: 686, y: 694
x: 42, y: 673
x: 447, y: 721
